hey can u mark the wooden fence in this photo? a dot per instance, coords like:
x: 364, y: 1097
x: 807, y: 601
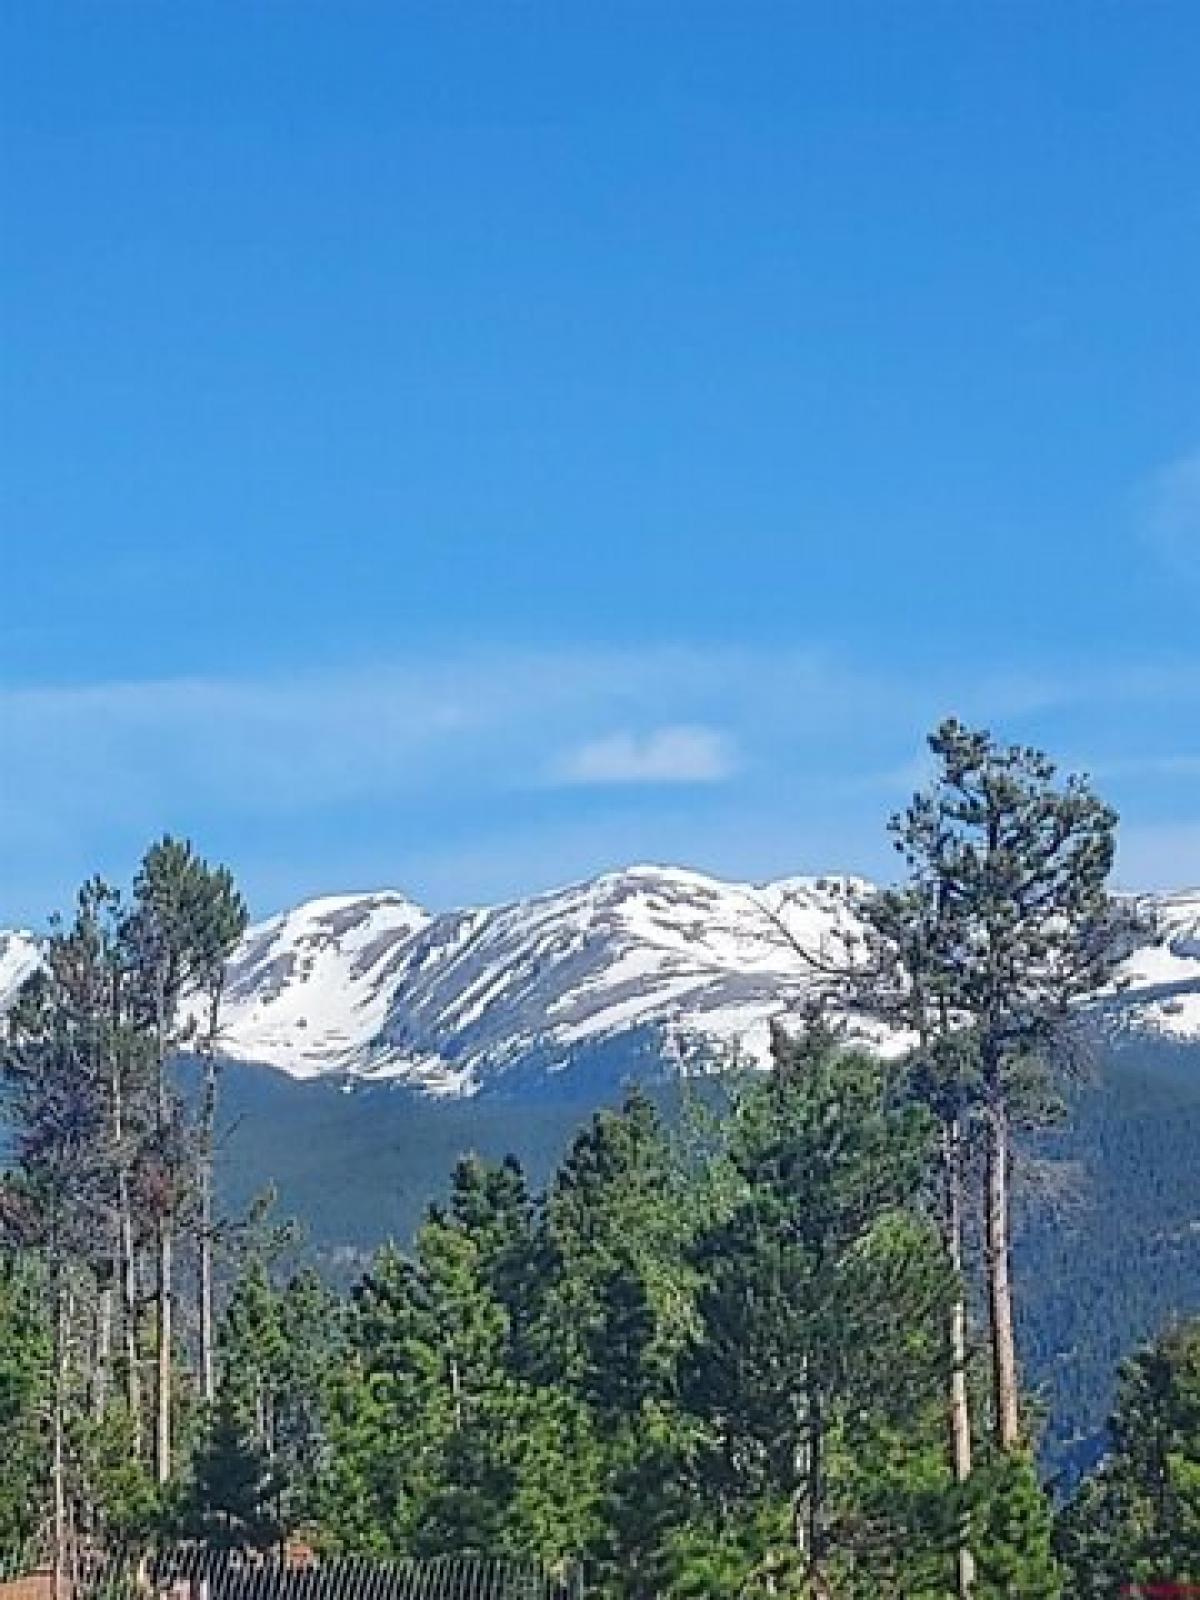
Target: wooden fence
x: 195, y: 1573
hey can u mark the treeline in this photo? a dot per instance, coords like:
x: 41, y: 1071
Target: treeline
x: 742, y: 1356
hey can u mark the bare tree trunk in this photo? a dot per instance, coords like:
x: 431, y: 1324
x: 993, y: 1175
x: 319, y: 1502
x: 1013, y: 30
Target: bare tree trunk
x: 166, y: 1265
x: 127, y: 1251
x: 102, y: 1351
x: 124, y: 1256
x: 58, y: 1454
x: 166, y: 1248
x: 208, y: 1374
x: 960, y: 1408
x: 816, y: 1491
x: 208, y: 1122
x: 808, y: 1503
x: 456, y: 1390
x: 801, y: 1527
x: 999, y: 1276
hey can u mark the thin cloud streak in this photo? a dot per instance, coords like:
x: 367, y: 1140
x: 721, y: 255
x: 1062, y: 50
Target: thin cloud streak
x: 137, y: 754
x: 305, y: 741
x: 303, y: 769
x: 665, y: 755
x: 1169, y: 513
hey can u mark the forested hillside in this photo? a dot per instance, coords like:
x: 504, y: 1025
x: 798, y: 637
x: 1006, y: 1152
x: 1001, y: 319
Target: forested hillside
x: 1109, y: 1234
x: 1106, y: 1231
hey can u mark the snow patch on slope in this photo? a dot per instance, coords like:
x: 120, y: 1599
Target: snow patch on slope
x: 19, y: 959
x: 307, y: 988
x: 1161, y: 980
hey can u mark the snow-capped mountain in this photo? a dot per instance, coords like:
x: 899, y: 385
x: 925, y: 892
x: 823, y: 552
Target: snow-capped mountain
x: 479, y: 992
x: 18, y: 959
x: 373, y: 987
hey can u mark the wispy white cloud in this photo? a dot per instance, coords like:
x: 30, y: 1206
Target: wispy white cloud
x: 140, y: 753
x: 1169, y: 512
x: 258, y: 745
x: 262, y: 746
x: 310, y: 779
x: 680, y: 754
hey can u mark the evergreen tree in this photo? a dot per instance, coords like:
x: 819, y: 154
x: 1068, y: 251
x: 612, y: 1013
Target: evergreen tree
x: 1137, y: 1518
x: 276, y: 1348
x: 620, y: 1305
x: 121, y: 1504
x: 25, y: 1347
x: 822, y: 1299
x: 254, y: 1353
x: 55, y: 1203
x: 311, y: 1326
x: 439, y: 1439
x: 220, y: 922
x: 490, y: 1203
x: 186, y: 917
x: 97, y: 1157
x: 1009, y: 915
x: 426, y: 1345
x: 1014, y: 1532
x: 906, y: 979
x: 232, y: 1501
x: 617, y: 1311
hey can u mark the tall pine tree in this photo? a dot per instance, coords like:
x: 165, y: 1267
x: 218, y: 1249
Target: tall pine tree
x: 823, y: 1298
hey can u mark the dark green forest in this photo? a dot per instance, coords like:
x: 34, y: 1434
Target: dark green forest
x: 842, y: 1329
x: 1105, y: 1237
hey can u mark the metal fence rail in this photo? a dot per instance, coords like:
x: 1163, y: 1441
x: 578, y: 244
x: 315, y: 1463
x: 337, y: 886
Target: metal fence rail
x: 203, y: 1573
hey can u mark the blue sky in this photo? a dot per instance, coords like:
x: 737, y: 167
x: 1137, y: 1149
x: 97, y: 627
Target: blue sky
x: 466, y: 446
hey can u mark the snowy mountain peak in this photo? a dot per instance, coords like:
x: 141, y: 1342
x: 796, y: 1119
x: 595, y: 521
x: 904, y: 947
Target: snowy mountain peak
x: 373, y: 986
x: 309, y: 986
x: 480, y: 993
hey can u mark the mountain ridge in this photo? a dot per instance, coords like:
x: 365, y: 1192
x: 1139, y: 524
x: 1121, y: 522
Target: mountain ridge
x: 465, y: 996
x: 373, y: 987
